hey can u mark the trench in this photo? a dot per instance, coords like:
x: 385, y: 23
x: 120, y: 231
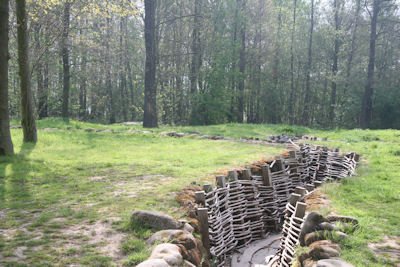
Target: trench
x: 254, y: 215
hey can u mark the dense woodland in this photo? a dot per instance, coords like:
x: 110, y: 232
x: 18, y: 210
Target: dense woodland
x: 322, y: 63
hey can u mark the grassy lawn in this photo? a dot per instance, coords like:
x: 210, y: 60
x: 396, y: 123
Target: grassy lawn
x: 75, y: 176
x: 81, y: 181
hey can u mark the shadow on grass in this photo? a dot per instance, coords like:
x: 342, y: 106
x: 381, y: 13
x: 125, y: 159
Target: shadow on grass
x: 14, y: 189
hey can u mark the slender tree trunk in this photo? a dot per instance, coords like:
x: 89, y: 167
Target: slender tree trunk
x: 196, y: 48
x: 39, y: 72
x: 307, y: 94
x: 108, y: 64
x: 28, y: 119
x: 350, y: 56
x: 6, y: 145
x: 43, y: 100
x: 196, y: 60
x: 366, y: 108
x: 336, y: 6
x: 122, y: 74
x: 65, y: 60
x: 292, y: 83
x: 275, y: 116
x: 242, y: 61
x: 83, y: 81
x: 150, y: 90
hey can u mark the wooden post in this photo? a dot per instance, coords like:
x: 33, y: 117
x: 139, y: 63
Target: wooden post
x: 246, y: 175
x: 266, y: 175
x: 279, y: 164
x: 232, y: 176
x: 300, y: 210
x: 300, y: 190
x: 294, y: 198
x: 200, y: 198
x: 292, y: 154
x: 310, y: 187
x: 221, y: 181
x: 202, y: 216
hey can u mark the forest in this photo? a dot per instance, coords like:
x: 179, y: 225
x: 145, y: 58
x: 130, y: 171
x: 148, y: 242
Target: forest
x: 281, y: 110
x: 321, y: 63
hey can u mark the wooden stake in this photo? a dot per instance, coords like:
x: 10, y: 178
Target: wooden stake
x: 202, y: 216
x: 300, y: 190
x: 221, y: 181
x: 266, y: 174
x: 300, y: 210
x: 200, y: 197
x: 246, y: 175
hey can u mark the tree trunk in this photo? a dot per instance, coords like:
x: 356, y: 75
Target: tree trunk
x: 28, y: 119
x: 336, y: 6
x: 196, y: 48
x: 150, y: 90
x: 366, y: 108
x: 307, y: 94
x: 107, y: 66
x: 83, y: 82
x: 39, y: 72
x: 122, y: 74
x: 350, y: 56
x: 292, y: 84
x: 242, y: 61
x: 6, y: 145
x: 65, y: 60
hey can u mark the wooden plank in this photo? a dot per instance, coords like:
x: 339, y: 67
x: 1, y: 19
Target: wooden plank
x: 266, y: 174
x: 200, y: 197
x: 246, y: 175
x: 232, y: 176
x: 221, y: 181
x: 202, y: 217
x: 300, y: 190
x: 300, y: 210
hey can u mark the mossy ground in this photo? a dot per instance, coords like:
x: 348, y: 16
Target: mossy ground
x: 90, y: 174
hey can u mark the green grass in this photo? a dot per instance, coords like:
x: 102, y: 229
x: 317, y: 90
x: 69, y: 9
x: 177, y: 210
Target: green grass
x: 83, y: 173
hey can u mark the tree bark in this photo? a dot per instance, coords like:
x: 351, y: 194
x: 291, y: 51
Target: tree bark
x: 196, y: 48
x: 242, y: 61
x: 292, y: 84
x: 307, y: 94
x: 336, y: 6
x: 83, y: 82
x: 28, y: 119
x: 65, y: 60
x: 122, y: 72
x: 107, y: 66
x: 6, y: 145
x: 150, y: 90
x: 366, y: 108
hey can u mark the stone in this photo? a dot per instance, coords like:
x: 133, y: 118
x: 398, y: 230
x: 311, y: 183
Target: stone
x: 336, y: 262
x: 193, y: 255
x: 169, y: 252
x: 154, y: 263
x: 322, y: 235
x: 324, y: 243
x: 308, y: 263
x: 173, y: 236
x: 187, y: 227
x: 190, y: 247
x: 323, y: 252
x: 155, y: 220
x: 327, y: 226
x: 311, y: 224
